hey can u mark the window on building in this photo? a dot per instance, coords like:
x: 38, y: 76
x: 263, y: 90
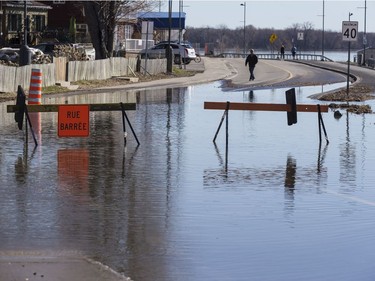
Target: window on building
x: 82, y: 28
x: 14, y: 22
x: 39, y: 22
x: 128, y: 32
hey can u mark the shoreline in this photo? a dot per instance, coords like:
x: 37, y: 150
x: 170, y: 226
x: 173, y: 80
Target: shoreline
x: 233, y: 74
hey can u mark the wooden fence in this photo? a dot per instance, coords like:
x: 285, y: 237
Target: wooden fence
x: 61, y: 70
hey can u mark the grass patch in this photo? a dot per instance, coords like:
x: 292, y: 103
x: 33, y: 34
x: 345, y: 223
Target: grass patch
x: 54, y: 90
x: 89, y: 82
x: 181, y: 72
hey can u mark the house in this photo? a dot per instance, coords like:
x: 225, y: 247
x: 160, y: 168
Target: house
x: 12, y: 19
x: 126, y: 26
x: 67, y: 22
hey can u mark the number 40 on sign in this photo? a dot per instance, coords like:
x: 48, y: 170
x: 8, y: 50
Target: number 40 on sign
x: 349, y: 30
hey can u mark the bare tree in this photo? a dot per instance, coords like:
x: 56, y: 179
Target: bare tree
x: 308, y: 30
x: 222, y: 37
x: 102, y: 18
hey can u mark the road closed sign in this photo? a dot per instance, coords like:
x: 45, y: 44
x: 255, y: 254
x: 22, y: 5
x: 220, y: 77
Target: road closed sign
x: 349, y: 30
x: 73, y: 120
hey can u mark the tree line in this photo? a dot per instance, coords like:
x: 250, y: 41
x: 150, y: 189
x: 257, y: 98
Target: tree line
x: 224, y: 38
x: 103, y: 16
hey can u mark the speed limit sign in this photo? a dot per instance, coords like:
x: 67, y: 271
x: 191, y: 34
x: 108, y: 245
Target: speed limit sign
x: 349, y: 30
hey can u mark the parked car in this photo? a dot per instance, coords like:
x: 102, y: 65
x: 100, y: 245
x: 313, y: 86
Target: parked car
x: 181, y: 52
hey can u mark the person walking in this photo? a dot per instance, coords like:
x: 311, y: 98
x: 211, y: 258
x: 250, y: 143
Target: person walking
x: 252, y: 60
x: 294, y: 51
x: 282, y: 51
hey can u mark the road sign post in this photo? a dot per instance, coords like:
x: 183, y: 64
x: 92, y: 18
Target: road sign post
x: 349, y: 34
x: 349, y: 31
x: 272, y: 39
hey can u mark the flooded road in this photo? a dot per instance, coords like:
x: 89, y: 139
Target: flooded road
x: 284, y: 208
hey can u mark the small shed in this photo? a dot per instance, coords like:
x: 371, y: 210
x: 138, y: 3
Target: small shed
x: 163, y: 22
x: 366, y: 56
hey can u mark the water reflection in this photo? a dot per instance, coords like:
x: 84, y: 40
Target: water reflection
x: 271, y: 177
x: 348, y: 159
x: 21, y: 169
x: 290, y: 174
x: 250, y: 96
x: 73, y: 170
x: 321, y: 157
x: 174, y: 209
x: 290, y: 181
x: 21, y: 166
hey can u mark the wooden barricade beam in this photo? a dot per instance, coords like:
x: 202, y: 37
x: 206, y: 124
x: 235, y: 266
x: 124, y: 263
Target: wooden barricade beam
x: 264, y: 106
x: 289, y: 108
x: 93, y: 107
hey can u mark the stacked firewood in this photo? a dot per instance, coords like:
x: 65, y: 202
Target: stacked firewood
x: 8, y: 62
x: 70, y: 52
x: 38, y: 57
x: 41, y: 59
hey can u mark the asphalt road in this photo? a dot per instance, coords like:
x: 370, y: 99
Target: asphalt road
x: 268, y: 74
x: 276, y: 73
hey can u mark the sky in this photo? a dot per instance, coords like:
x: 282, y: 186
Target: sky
x: 276, y: 14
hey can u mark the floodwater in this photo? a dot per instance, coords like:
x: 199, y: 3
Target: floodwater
x: 275, y: 206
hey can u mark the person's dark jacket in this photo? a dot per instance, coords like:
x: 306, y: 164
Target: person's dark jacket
x: 252, y: 60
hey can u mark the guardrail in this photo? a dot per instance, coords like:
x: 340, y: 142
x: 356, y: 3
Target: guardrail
x: 277, y: 56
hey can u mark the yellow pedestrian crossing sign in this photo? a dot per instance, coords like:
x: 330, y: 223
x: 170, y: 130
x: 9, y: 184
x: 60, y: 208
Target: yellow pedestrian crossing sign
x: 273, y: 38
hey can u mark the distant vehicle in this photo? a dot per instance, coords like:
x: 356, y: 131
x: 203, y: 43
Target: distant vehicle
x: 181, y: 52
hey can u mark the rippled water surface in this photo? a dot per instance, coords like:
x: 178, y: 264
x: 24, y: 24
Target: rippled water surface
x: 277, y: 207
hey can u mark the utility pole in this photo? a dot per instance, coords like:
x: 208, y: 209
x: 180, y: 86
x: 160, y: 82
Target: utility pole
x: 244, y: 27
x: 348, y: 78
x: 323, y: 35
x: 25, y: 52
x: 169, y: 49
x: 364, y: 38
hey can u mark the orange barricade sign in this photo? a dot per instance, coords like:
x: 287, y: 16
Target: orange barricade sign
x: 73, y: 120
